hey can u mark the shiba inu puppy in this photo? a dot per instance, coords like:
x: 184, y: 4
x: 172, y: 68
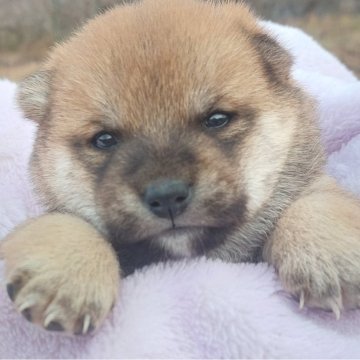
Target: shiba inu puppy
x: 171, y: 129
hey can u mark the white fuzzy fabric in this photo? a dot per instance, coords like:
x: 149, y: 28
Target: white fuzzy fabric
x: 198, y: 308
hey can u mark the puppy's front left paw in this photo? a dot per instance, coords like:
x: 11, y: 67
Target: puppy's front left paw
x: 329, y: 280
x: 314, y: 284
x: 67, y: 285
x: 315, y: 248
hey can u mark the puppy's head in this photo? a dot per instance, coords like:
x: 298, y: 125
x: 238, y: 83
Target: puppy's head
x: 163, y: 121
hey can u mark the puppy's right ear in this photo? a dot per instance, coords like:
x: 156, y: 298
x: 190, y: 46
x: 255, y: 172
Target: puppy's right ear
x: 33, y: 95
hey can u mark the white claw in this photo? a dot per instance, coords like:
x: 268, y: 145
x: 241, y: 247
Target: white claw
x: 335, y: 307
x: 26, y: 305
x: 302, y: 300
x: 1, y: 251
x: 86, y: 324
x: 49, y: 319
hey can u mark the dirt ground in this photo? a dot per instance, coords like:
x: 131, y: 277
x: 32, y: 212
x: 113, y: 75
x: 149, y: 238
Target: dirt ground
x: 338, y: 33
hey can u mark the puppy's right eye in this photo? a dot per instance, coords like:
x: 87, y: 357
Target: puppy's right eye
x: 104, y: 140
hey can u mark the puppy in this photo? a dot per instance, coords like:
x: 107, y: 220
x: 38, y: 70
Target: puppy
x: 172, y: 129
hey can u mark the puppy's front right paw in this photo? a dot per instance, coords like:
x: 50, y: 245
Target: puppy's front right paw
x: 60, y: 299
x: 67, y: 285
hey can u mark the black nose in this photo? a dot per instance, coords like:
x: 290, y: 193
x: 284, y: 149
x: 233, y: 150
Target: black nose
x: 167, y: 198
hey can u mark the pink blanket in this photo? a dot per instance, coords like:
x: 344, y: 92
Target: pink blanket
x: 197, y: 308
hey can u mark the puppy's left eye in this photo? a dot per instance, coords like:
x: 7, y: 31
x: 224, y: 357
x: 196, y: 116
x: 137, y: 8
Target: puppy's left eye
x: 217, y: 120
x: 104, y: 140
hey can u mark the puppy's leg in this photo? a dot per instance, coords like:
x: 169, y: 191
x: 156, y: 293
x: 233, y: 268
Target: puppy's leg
x: 316, y: 248
x: 61, y: 273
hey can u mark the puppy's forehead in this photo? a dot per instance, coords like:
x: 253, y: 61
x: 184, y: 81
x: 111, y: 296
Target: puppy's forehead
x: 159, y: 59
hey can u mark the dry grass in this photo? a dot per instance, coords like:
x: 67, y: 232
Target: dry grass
x: 18, y: 72
x: 340, y: 34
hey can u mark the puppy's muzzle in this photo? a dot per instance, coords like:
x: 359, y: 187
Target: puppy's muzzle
x: 167, y: 198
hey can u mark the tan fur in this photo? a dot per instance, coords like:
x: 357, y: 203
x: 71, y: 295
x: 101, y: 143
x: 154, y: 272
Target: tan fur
x: 64, y: 278
x: 151, y: 73
x: 316, y: 247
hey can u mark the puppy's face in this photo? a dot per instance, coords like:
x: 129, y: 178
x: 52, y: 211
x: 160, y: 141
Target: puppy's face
x: 166, y: 122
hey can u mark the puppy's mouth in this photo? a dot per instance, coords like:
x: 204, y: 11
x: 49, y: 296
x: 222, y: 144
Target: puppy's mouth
x: 170, y: 242
x: 189, y: 241
x: 174, y: 230
x: 171, y: 217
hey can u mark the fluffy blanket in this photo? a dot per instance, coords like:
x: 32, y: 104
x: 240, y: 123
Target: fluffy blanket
x: 198, y: 308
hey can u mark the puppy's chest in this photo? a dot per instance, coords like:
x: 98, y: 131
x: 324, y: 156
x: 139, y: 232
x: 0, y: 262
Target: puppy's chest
x: 136, y: 256
x: 147, y: 252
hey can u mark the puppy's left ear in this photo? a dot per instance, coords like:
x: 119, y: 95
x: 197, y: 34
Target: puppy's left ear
x: 33, y: 95
x: 276, y: 60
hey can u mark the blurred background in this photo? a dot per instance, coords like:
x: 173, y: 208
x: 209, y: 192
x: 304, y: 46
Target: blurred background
x: 28, y: 28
